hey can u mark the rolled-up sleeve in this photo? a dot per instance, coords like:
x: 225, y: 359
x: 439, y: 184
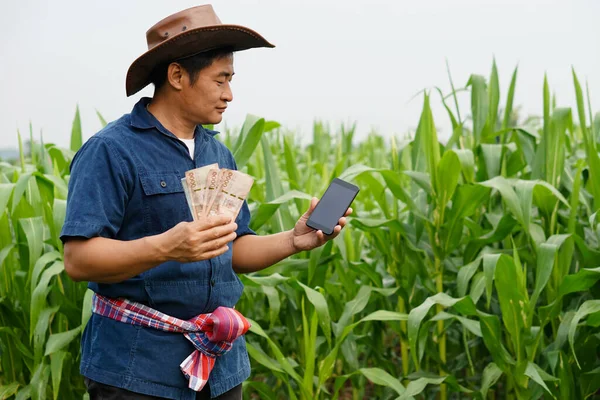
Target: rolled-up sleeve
x: 98, y: 192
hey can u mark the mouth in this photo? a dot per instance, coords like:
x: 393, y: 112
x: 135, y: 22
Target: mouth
x: 221, y: 109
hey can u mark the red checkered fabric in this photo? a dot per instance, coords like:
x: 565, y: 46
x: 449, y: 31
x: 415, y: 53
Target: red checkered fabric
x: 211, y: 334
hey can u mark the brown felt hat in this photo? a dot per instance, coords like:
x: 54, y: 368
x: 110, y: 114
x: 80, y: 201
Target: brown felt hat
x: 186, y: 33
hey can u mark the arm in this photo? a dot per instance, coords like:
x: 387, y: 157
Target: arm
x: 252, y: 253
x: 105, y: 260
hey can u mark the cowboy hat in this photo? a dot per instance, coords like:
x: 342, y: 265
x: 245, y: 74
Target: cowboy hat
x: 186, y: 33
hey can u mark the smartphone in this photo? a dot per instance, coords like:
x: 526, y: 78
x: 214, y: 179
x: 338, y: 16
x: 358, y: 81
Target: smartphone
x: 333, y: 205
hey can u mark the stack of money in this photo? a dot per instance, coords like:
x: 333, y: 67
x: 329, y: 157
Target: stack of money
x: 211, y: 190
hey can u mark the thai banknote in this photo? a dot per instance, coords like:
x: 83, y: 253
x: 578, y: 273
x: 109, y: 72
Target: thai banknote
x: 196, y: 181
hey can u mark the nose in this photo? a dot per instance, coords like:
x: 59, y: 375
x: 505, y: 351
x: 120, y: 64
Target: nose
x: 227, y: 94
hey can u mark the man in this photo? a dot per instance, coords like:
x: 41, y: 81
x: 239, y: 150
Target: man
x: 129, y: 232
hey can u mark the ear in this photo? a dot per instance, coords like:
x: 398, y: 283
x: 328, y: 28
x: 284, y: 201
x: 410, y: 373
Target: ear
x: 175, y: 76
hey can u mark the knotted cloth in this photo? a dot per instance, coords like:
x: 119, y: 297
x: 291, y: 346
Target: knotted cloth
x: 211, y: 334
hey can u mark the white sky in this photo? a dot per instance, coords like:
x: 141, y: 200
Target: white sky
x: 339, y: 61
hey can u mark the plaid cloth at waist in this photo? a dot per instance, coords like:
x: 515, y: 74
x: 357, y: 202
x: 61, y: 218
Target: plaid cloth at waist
x: 211, y: 334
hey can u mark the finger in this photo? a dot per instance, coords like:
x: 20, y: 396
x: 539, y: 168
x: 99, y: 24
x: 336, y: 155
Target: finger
x: 215, y: 253
x: 320, y: 235
x: 348, y: 212
x: 342, y: 222
x: 313, y: 203
x: 218, y: 242
x: 213, y: 221
x: 218, y: 232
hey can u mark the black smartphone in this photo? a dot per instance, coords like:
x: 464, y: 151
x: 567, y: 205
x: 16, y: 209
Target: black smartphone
x: 333, y: 205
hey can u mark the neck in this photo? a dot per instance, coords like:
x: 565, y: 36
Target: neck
x: 170, y: 116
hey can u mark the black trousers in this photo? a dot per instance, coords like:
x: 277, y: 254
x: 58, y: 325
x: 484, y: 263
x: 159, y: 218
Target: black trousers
x: 100, y: 391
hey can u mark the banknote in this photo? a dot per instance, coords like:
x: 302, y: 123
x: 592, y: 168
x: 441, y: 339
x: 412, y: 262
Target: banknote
x: 212, y: 184
x: 211, y: 190
x: 196, y: 181
x: 231, y: 196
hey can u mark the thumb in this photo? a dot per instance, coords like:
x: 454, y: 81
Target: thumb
x: 313, y: 203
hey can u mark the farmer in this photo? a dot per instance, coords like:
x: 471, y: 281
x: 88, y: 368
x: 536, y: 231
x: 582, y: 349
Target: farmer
x: 129, y: 232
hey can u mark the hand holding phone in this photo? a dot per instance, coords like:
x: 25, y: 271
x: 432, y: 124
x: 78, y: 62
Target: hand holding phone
x: 333, y: 205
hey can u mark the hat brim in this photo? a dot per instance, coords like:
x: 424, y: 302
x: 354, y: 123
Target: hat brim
x: 187, y: 43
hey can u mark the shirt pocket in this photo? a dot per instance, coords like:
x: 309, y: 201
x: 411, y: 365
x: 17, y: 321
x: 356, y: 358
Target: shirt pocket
x: 165, y: 204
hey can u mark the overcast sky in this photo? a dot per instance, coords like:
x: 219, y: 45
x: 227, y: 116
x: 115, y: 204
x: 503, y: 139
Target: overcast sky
x: 339, y: 61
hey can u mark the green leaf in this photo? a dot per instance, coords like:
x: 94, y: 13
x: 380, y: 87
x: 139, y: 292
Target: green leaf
x: 556, y: 141
x: 283, y: 362
x: 260, y: 357
x: 463, y: 305
x: 493, y: 98
x: 465, y: 273
x: 39, y: 266
x: 263, y: 390
x: 266, y: 211
x: 24, y: 393
x: 318, y: 300
x: 513, y: 300
x: 76, y: 133
x: 492, y: 155
x: 582, y: 280
x: 467, y: 162
x: 545, y: 263
x: 358, y: 304
x: 539, y: 376
x: 86, y: 309
x: 19, y: 190
x: 470, y: 325
x: 56, y: 367
x: 506, y: 123
x: 101, y: 118
x: 38, y: 296
x: 416, y: 387
x: 591, y: 151
x: 492, y: 337
x: 6, y: 189
x: 587, y: 308
x: 381, y: 377
x: 39, y: 382
x: 447, y: 177
x: 490, y: 261
x: 249, y: 137
x: 8, y: 390
x: 491, y: 374
x: 58, y: 341
x: 274, y: 189
x: 508, y: 195
x: 431, y: 145
x: 479, y: 105
x: 34, y: 233
x: 39, y: 333
x: 270, y: 280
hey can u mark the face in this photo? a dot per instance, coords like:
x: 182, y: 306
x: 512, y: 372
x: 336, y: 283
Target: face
x: 206, y: 100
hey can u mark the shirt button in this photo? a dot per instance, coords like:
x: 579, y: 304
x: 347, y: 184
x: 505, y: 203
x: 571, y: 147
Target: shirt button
x: 163, y: 183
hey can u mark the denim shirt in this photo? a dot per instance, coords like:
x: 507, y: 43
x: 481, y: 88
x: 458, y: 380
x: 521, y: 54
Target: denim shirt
x: 125, y: 184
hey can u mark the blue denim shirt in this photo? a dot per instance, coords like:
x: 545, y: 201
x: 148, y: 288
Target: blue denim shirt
x: 125, y: 184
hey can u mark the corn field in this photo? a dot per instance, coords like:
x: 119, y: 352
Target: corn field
x: 469, y: 269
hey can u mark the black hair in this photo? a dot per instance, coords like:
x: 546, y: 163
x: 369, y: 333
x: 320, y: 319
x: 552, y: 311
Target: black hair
x: 191, y: 64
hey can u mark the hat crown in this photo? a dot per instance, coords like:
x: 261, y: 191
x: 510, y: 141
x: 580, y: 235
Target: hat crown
x: 192, y: 18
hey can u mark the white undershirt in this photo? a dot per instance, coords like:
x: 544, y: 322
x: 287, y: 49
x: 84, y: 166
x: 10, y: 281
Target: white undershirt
x: 190, y: 144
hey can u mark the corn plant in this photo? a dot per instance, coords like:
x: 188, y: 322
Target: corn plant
x: 469, y: 269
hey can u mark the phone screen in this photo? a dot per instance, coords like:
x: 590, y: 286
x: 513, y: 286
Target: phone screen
x: 332, y: 206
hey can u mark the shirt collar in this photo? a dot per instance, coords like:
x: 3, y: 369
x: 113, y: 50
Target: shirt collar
x: 141, y: 118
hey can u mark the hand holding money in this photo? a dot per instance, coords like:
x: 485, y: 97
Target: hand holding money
x: 213, y: 191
